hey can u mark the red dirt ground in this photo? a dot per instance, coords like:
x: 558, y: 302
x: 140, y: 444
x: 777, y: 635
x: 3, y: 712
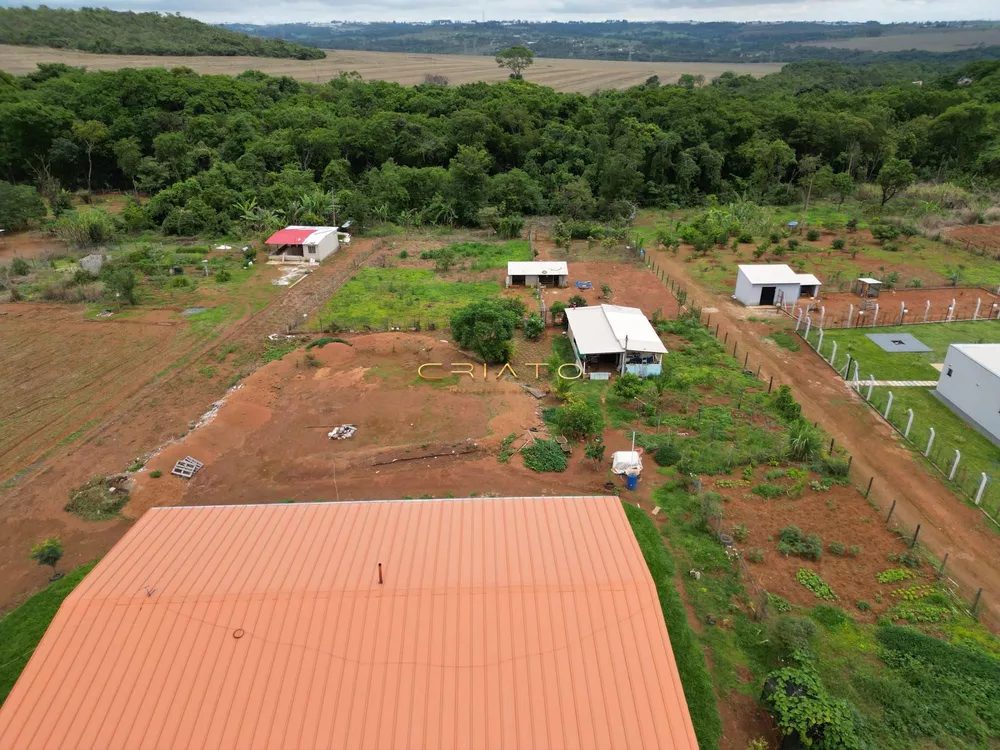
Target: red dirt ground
x: 269, y: 441
x: 978, y: 236
x: 28, y: 245
x: 839, y: 514
x: 890, y: 301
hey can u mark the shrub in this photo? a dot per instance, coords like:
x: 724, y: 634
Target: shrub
x: 793, y: 637
x: 324, y: 340
x: 837, y: 548
x: 778, y: 603
x: 222, y: 276
x: 855, y: 550
x: 785, y: 405
x: 744, y: 238
x: 740, y: 532
x: 804, y: 441
x: 628, y: 386
x: 121, y: 283
x: 505, y: 454
x: 755, y: 555
x: 579, y: 419
x: 19, y: 206
x: 804, y: 710
x: 812, y: 235
x: 884, y: 232
x: 768, y: 491
x: 19, y: 267
x: 404, y: 254
x: 775, y: 237
x: 910, y: 558
x: 90, y: 227
x: 156, y: 474
x: 815, y: 584
x: 791, y: 541
x: 544, y: 455
x: 834, y: 467
x: 710, y: 510
x: 863, y: 605
x: 534, y: 326
x: 793, y: 244
x: 667, y: 454
x: 838, y: 243
x: 830, y: 617
x: 577, y: 301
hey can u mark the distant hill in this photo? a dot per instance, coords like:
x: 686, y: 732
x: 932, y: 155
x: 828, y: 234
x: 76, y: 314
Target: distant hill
x: 110, y: 32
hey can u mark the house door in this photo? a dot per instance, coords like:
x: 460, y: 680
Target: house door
x: 767, y: 295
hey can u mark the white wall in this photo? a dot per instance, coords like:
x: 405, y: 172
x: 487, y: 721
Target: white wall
x: 972, y: 389
x: 749, y: 294
x: 326, y: 247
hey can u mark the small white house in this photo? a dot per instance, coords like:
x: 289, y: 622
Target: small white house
x: 970, y: 385
x: 537, y: 273
x: 613, y: 337
x: 770, y: 284
x: 296, y: 244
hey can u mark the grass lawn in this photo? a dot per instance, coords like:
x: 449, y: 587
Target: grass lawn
x: 22, y: 628
x: 383, y: 297
x: 951, y: 432
x: 482, y: 256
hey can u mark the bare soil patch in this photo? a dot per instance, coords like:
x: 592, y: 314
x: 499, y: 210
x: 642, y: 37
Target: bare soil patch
x: 584, y: 76
x: 936, y: 40
x: 977, y: 237
x: 892, y: 302
x: 29, y: 245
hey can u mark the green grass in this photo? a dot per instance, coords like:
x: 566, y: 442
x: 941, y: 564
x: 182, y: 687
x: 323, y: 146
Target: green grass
x: 884, y: 365
x: 22, y: 628
x: 979, y: 454
x: 687, y: 651
x: 786, y: 340
x: 380, y: 297
x: 484, y: 256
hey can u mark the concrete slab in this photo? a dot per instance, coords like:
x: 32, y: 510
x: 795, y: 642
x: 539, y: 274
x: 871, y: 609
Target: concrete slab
x: 898, y: 342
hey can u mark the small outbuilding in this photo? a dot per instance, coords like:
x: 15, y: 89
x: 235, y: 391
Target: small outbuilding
x: 609, y: 337
x: 970, y: 386
x: 773, y: 284
x: 296, y: 244
x: 537, y: 273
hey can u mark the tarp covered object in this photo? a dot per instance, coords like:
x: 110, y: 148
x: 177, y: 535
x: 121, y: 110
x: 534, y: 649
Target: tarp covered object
x: 622, y: 461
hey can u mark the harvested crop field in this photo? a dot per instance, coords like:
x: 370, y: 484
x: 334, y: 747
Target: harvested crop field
x: 936, y: 40
x: 583, y: 76
x: 61, y: 372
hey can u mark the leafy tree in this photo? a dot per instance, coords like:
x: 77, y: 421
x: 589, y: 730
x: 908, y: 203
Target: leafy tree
x: 121, y: 283
x: 487, y: 328
x: 558, y: 310
x: 516, y: 59
x: 895, y: 175
x: 627, y: 386
x: 128, y: 157
x: 468, y: 177
x: 843, y: 185
x: 580, y: 419
x: 90, y: 133
x: 577, y: 301
x: 19, y: 205
x: 534, y: 326
x: 689, y: 81
x: 48, y: 552
x: 595, y: 450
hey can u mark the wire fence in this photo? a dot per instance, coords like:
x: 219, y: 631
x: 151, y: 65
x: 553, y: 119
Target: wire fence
x: 967, y: 598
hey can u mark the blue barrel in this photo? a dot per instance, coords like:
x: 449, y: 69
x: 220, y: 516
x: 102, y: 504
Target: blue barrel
x: 631, y: 481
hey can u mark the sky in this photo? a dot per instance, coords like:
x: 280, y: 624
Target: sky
x: 288, y: 11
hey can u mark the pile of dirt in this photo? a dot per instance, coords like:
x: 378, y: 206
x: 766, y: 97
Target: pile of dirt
x: 100, y: 499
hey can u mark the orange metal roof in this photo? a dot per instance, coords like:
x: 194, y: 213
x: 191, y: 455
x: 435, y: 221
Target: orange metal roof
x: 501, y: 623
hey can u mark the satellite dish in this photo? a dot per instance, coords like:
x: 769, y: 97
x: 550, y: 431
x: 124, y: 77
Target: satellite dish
x: 346, y: 224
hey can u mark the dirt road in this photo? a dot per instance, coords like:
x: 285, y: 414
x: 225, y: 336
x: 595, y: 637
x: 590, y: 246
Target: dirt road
x: 947, y: 525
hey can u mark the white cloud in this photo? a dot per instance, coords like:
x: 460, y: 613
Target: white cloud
x: 290, y: 11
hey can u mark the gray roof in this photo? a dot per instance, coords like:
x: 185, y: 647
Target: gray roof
x: 537, y: 268
x: 606, y: 328
x: 987, y: 355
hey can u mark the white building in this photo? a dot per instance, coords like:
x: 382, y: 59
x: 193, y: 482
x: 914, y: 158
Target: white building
x: 296, y: 244
x: 970, y: 385
x: 540, y: 272
x: 769, y: 284
x: 609, y: 337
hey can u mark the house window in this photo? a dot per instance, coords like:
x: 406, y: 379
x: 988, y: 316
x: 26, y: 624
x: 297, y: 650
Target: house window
x: 949, y: 372
x: 312, y: 249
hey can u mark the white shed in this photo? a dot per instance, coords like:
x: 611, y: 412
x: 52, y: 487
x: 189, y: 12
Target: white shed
x: 296, y: 244
x: 970, y: 385
x: 769, y: 284
x: 538, y: 273
x: 615, y: 338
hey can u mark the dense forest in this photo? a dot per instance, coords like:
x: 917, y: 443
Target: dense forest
x: 96, y: 30
x: 214, y: 151
x: 624, y: 40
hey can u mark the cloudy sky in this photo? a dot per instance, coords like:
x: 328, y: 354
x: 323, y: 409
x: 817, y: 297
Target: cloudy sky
x: 285, y: 11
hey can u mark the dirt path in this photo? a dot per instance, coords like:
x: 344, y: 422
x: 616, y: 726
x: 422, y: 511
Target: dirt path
x: 947, y: 525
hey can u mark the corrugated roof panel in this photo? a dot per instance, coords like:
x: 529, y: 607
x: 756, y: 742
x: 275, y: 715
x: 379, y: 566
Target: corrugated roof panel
x: 537, y: 268
x: 299, y: 235
x: 606, y: 329
x: 507, y: 622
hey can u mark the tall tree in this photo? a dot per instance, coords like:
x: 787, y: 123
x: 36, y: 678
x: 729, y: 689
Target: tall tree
x: 90, y: 133
x: 128, y: 156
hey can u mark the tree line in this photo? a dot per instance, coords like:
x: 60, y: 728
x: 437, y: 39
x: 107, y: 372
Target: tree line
x: 113, y: 33
x: 260, y: 151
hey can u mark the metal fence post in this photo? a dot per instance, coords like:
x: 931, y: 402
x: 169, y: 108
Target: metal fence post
x: 909, y: 423
x: 930, y: 442
x: 871, y: 384
x: 954, y: 466
x: 982, y: 486
x: 888, y: 406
